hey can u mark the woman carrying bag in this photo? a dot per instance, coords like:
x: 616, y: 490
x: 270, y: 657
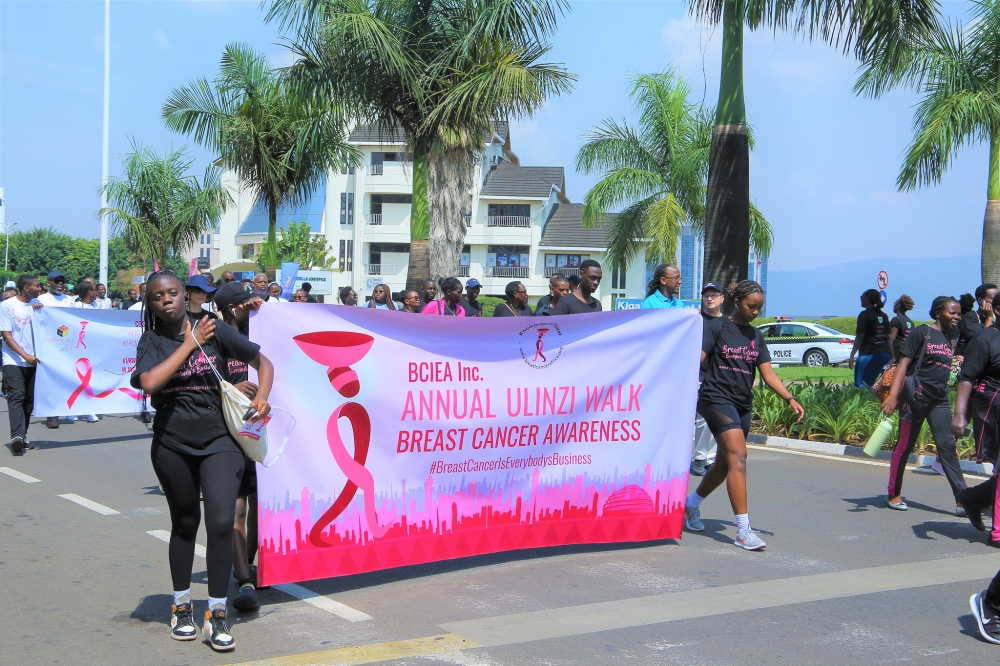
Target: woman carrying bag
x: 193, y: 451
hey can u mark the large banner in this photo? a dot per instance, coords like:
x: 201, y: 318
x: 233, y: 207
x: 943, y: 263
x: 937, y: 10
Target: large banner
x: 423, y: 438
x: 85, y: 361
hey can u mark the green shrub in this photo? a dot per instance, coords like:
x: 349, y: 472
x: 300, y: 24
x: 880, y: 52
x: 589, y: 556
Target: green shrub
x: 846, y: 325
x: 490, y: 304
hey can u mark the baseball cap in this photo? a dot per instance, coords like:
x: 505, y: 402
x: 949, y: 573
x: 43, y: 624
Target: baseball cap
x: 712, y: 285
x: 200, y: 282
x: 229, y: 294
x: 10, y: 285
x: 56, y: 274
x: 473, y: 283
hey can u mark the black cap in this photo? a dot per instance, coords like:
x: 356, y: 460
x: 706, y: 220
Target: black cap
x: 230, y: 294
x: 56, y: 274
x: 712, y: 285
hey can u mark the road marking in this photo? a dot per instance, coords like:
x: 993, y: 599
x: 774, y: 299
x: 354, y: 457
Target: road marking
x: 90, y: 504
x: 164, y: 536
x: 324, y: 603
x: 367, y: 654
x: 19, y: 475
x: 707, y: 602
x: 877, y: 463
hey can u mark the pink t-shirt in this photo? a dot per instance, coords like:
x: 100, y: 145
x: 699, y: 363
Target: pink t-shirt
x: 439, y: 308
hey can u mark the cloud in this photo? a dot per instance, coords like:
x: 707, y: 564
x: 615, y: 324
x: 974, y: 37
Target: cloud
x: 161, y: 40
x: 53, y: 74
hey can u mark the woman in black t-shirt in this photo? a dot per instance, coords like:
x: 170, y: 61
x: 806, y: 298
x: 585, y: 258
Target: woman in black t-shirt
x: 900, y: 326
x: 973, y: 322
x: 732, y: 353
x: 516, y: 304
x: 871, y: 340
x: 929, y: 349
x: 192, y: 451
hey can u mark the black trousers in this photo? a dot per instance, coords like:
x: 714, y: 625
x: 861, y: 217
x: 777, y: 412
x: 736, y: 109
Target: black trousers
x: 19, y: 387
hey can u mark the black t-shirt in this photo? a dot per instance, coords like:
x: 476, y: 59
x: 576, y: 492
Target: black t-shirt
x: 471, y: 309
x: 874, y: 326
x: 542, y: 302
x: 968, y: 326
x: 570, y: 304
x: 127, y: 303
x: 981, y: 364
x: 708, y: 317
x: 903, y: 325
x: 506, y: 310
x: 935, y: 369
x: 189, y: 408
x: 732, y: 355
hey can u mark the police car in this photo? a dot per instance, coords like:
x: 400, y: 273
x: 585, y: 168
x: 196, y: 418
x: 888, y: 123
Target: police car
x: 808, y: 343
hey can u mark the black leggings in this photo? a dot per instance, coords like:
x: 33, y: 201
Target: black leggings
x: 218, y: 477
x: 721, y: 417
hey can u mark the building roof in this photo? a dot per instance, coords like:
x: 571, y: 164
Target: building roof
x: 554, y: 175
x: 564, y: 228
x: 508, y: 180
x: 502, y: 129
x: 311, y: 211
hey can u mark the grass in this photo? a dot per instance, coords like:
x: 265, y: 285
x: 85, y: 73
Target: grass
x: 830, y: 374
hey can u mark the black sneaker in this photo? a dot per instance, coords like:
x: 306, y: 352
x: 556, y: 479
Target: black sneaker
x: 217, y: 631
x: 145, y: 417
x: 17, y: 446
x: 246, y: 600
x: 987, y: 617
x: 182, y: 626
x: 28, y: 446
x: 52, y: 422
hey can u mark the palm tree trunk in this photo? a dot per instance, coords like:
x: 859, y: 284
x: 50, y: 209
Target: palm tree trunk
x: 272, y: 222
x: 449, y: 182
x: 727, y: 214
x: 418, y: 268
x: 990, y: 262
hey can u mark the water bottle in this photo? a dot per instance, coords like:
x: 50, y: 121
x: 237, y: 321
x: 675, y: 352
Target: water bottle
x: 878, y: 437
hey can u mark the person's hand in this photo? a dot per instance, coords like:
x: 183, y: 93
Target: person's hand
x: 31, y: 360
x: 249, y: 389
x: 850, y: 362
x: 958, y: 424
x: 252, y: 304
x: 262, y: 407
x: 203, y: 331
x: 987, y: 307
x: 798, y: 409
x: 889, y: 406
x: 38, y: 306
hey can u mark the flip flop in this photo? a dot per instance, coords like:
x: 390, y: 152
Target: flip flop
x: 899, y: 506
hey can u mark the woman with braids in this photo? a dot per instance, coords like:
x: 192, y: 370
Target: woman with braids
x: 900, y: 326
x: 515, y: 303
x: 381, y: 298
x: 926, y: 357
x: 732, y: 353
x: 347, y: 296
x: 448, y: 304
x: 871, y: 340
x: 192, y: 451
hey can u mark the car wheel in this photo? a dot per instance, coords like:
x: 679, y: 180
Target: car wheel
x: 815, y: 358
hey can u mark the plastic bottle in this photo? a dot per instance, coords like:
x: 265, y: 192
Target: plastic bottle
x: 878, y: 437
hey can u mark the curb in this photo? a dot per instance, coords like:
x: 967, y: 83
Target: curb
x: 970, y: 466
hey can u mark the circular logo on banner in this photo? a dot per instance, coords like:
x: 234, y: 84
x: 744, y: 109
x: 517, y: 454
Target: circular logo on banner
x: 541, y: 344
x: 883, y: 279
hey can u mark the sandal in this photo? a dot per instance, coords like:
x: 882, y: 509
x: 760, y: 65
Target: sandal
x: 899, y: 506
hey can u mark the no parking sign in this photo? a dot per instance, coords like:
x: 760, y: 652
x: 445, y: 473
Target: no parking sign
x: 883, y: 282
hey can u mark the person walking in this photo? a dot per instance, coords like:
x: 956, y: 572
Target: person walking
x: 559, y: 289
x: 103, y: 302
x: 307, y: 288
x: 86, y: 296
x: 411, y: 301
x: 470, y: 302
x: 547, y: 298
x: 926, y: 357
x: 871, y: 340
x: 274, y: 293
x: 142, y: 296
x: 900, y: 326
x: 515, y: 303
x: 348, y: 296
x: 132, y: 299
x: 705, y: 446
x: 428, y: 292
x: 712, y: 299
x: 198, y: 290
x: 19, y: 362
x: 450, y: 302
x: 581, y: 300
x: 663, y: 288
x: 55, y: 297
x: 973, y: 322
x: 733, y: 352
x: 381, y: 298
x: 300, y: 296
x: 192, y: 451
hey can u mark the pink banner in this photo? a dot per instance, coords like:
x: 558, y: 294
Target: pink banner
x: 425, y: 438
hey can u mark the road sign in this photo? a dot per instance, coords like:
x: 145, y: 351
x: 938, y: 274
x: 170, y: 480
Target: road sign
x: 885, y: 296
x: 883, y: 280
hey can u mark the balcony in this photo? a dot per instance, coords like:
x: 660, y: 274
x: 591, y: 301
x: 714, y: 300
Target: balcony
x: 387, y: 219
x: 383, y: 269
x: 389, y: 169
x: 505, y: 271
x: 463, y: 271
x: 565, y: 270
x: 507, y: 221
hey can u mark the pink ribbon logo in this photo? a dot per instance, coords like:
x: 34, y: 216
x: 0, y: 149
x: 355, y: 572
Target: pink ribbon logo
x: 85, y: 372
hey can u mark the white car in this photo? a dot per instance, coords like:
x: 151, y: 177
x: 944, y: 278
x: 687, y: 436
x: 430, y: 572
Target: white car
x: 806, y: 342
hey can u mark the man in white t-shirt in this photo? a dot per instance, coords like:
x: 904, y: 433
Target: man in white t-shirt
x: 142, y: 295
x: 55, y: 297
x: 18, y: 352
x: 102, y: 300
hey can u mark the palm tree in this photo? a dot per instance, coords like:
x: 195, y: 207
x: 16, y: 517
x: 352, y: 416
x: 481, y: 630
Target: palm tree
x: 657, y: 171
x: 157, y: 207
x: 871, y: 29
x: 441, y: 71
x: 279, y: 147
x: 956, y: 72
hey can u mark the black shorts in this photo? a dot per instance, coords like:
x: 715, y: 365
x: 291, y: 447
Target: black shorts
x: 248, y: 486
x: 721, y: 417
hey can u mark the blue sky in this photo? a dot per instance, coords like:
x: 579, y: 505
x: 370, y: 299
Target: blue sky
x: 823, y: 171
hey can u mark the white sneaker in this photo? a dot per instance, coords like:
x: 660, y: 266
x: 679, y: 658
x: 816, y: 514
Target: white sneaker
x: 93, y: 418
x: 692, y: 520
x: 748, y: 540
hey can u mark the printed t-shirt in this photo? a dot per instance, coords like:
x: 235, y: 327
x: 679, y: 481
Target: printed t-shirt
x: 903, y: 325
x: 507, y: 310
x: 981, y: 365
x: 935, y: 369
x: 93, y: 305
x: 15, y: 317
x: 570, y: 304
x: 732, y: 355
x: 874, y: 325
x: 968, y: 326
x: 189, y: 408
x: 472, y: 309
x: 51, y: 300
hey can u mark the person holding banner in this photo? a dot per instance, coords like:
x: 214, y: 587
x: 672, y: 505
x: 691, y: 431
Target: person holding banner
x: 192, y: 451
x: 19, y: 359
x: 449, y: 303
x: 732, y: 353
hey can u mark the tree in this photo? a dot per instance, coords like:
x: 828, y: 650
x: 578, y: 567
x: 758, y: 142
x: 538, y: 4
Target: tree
x: 871, y: 29
x: 158, y: 208
x: 657, y: 171
x: 279, y: 147
x: 298, y: 244
x: 441, y: 71
x: 957, y: 73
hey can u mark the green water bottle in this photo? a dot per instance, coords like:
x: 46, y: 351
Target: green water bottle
x: 878, y: 438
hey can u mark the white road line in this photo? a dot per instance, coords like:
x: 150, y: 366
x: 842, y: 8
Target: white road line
x: 324, y: 603
x: 877, y: 463
x: 18, y: 475
x: 164, y: 536
x: 90, y: 504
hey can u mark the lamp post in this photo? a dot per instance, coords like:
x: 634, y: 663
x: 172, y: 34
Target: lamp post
x: 104, y: 152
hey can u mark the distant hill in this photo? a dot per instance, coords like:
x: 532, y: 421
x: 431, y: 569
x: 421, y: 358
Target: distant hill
x: 835, y: 290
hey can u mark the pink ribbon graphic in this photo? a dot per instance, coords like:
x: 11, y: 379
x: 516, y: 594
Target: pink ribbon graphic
x: 85, y: 372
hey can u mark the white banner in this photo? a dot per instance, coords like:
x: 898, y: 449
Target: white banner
x: 85, y: 361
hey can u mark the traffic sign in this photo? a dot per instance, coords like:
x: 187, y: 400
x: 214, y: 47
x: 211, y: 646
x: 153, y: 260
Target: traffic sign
x: 885, y: 296
x: 883, y: 280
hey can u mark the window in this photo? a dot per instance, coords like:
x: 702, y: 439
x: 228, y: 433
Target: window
x: 208, y: 239
x: 350, y: 207
x: 618, y: 278
x: 565, y: 261
x: 509, y: 210
x: 794, y: 331
x: 379, y: 158
x: 379, y: 199
x: 343, y: 212
x: 343, y: 254
x: 465, y: 258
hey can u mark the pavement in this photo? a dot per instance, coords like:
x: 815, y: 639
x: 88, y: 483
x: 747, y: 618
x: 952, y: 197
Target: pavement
x: 844, y: 580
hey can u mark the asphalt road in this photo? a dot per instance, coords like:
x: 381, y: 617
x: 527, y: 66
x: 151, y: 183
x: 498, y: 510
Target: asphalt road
x: 843, y: 580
